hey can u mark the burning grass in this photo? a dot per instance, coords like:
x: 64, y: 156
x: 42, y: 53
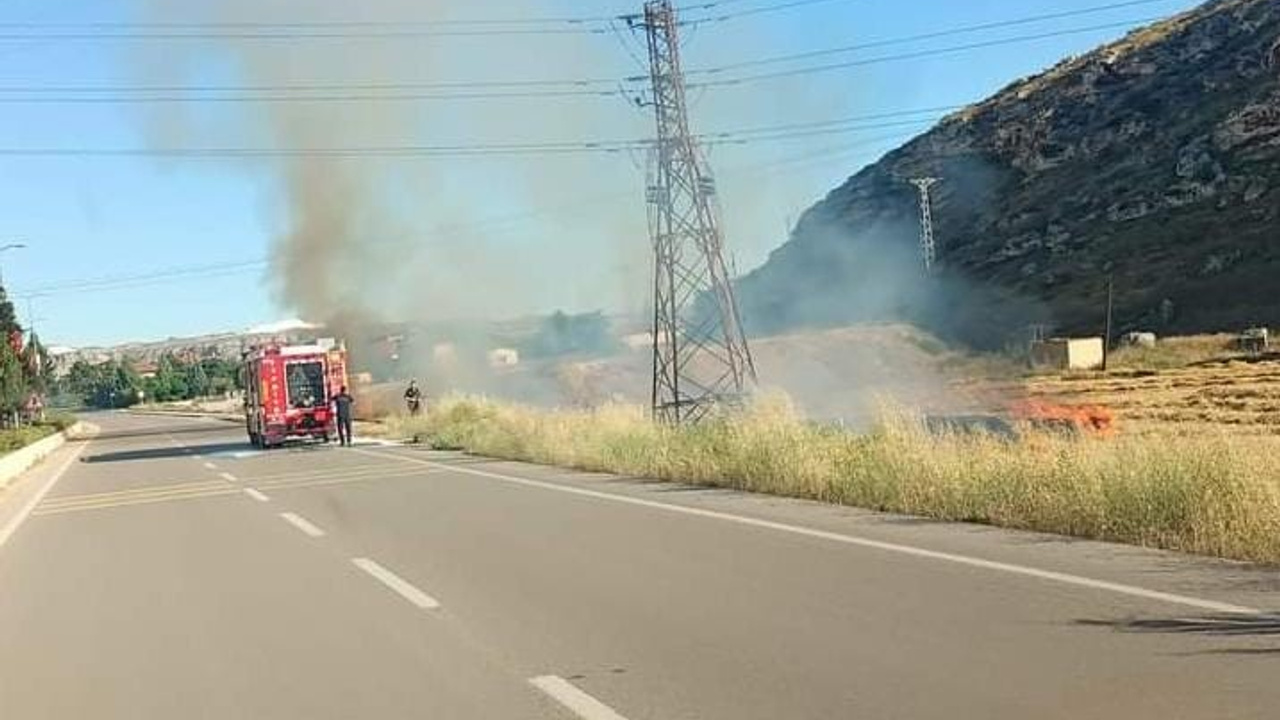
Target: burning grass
x: 1211, y: 494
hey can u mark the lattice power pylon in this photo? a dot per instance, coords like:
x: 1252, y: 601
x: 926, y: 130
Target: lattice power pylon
x: 928, y: 248
x: 700, y: 352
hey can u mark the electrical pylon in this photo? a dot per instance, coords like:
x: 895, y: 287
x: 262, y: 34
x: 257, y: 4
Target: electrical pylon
x: 928, y: 248
x: 700, y: 352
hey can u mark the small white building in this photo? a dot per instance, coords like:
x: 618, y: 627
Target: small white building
x: 504, y: 357
x: 1069, y: 353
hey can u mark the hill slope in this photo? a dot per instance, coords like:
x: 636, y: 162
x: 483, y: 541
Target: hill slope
x: 1155, y: 159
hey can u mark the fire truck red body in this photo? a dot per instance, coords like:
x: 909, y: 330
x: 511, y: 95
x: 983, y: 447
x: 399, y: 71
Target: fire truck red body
x: 288, y: 392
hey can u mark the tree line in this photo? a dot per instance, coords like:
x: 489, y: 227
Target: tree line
x: 117, y: 383
x: 26, y: 369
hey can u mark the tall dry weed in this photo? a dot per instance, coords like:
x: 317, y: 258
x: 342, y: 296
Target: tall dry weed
x: 1213, y: 494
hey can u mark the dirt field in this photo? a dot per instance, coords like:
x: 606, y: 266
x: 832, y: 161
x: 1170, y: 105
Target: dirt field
x: 847, y: 375
x: 835, y: 375
x: 1235, y: 394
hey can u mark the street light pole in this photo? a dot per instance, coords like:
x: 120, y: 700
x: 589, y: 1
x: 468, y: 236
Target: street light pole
x: 4, y: 249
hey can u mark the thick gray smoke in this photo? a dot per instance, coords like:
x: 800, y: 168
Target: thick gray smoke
x: 334, y: 212
x: 373, y: 239
x: 857, y: 255
x: 363, y: 243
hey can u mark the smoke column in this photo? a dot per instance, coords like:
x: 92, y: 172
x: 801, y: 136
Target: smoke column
x: 380, y: 239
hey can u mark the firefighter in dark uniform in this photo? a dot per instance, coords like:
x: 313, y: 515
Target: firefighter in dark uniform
x: 342, y: 407
x: 413, y: 398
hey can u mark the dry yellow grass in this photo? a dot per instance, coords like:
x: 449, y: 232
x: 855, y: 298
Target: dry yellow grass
x: 1182, y: 387
x: 1173, y: 352
x: 1213, y: 494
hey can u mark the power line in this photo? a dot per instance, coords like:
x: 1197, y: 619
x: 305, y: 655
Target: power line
x: 113, y: 281
x: 391, y: 33
x: 401, y: 92
x: 933, y: 35
x: 354, y: 91
x: 355, y: 29
x: 331, y: 152
x: 305, y: 98
x: 819, y: 124
x: 788, y: 131
x: 936, y: 52
x: 309, y: 87
x: 211, y: 270
x: 768, y: 9
x: 303, y: 24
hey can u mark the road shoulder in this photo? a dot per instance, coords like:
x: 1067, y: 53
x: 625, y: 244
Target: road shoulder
x: 20, y: 496
x: 1210, y: 579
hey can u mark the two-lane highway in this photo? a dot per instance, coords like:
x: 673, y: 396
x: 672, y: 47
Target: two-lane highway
x: 173, y: 572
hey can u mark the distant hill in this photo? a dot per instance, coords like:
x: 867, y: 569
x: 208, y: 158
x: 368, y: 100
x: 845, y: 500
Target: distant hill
x: 1155, y: 159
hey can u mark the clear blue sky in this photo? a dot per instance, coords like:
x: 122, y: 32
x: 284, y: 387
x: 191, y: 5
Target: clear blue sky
x: 551, y: 232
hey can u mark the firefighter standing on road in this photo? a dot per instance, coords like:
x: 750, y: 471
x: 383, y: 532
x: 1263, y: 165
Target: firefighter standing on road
x: 342, y: 403
x: 413, y: 398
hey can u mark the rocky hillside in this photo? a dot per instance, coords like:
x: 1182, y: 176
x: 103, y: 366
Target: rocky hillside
x: 1154, y: 160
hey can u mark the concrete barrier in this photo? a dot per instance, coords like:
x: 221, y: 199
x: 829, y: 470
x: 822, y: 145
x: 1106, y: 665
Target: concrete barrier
x: 21, y: 460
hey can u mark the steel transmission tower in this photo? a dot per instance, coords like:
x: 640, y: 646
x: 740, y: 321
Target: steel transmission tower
x: 700, y: 353
x: 928, y: 249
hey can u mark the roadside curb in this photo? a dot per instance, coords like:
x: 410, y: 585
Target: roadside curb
x: 13, y: 465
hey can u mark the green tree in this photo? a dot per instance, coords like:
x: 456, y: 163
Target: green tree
x: 170, y: 382
x: 117, y: 387
x: 197, y: 381
x: 108, y: 385
x: 36, y: 364
x: 8, y: 316
x: 81, y: 379
x: 13, y: 383
x: 224, y: 376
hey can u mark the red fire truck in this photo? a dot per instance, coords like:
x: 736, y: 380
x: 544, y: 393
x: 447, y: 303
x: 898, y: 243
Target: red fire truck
x: 288, y: 389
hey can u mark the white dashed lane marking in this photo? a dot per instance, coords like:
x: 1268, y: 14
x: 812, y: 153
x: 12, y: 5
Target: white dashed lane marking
x: 1051, y: 576
x: 256, y: 495
x: 401, y: 586
x: 302, y: 524
x: 573, y: 699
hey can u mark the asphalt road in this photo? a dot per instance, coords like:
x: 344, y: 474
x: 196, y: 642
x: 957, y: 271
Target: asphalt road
x: 170, y: 572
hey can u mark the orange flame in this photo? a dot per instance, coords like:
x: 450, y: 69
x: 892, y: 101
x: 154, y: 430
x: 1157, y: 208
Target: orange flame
x: 1089, y: 419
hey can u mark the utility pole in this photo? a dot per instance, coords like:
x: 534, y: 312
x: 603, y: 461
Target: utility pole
x: 700, y: 352
x: 1106, y: 339
x: 928, y: 249
x: 6, y: 248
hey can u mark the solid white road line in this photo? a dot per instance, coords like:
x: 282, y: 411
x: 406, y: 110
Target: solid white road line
x: 210, y: 466
x: 302, y: 524
x: 402, y: 587
x: 256, y: 495
x: 575, y: 700
x: 1009, y: 568
x: 228, y: 477
x: 11, y: 527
